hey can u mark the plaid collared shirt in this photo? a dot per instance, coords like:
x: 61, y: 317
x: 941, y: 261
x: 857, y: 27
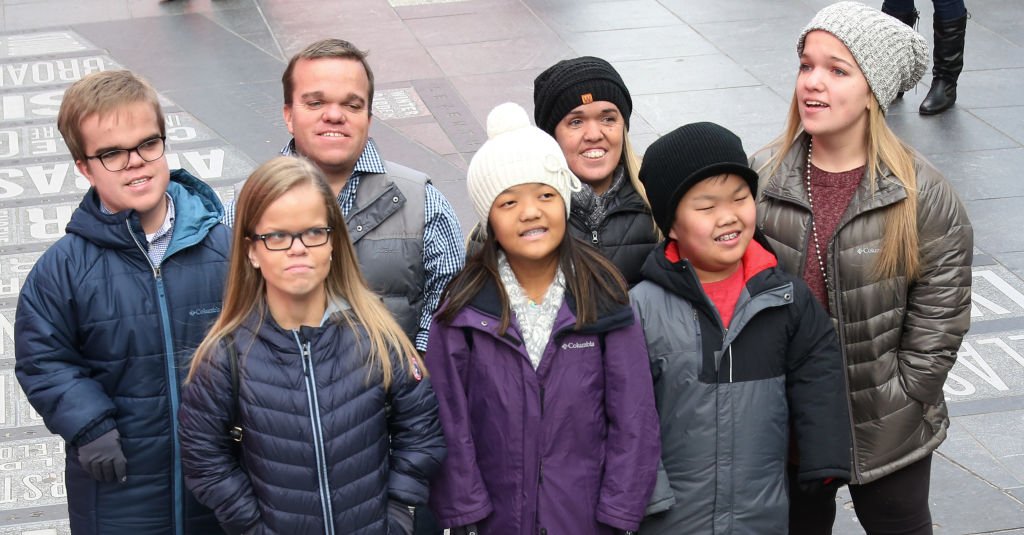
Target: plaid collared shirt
x: 443, y: 250
x: 158, y: 241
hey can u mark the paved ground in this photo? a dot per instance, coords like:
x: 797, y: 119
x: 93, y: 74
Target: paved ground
x: 441, y: 65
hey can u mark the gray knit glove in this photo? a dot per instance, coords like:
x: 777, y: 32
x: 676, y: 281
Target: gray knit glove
x: 103, y: 459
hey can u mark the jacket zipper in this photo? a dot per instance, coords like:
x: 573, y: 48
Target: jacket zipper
x: 842, y: 351
x: 318, y: 438
x: 593, y: 238
x: 172, y: 383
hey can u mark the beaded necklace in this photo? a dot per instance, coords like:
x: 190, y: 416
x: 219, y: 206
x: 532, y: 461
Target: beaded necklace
x: 814, y: 228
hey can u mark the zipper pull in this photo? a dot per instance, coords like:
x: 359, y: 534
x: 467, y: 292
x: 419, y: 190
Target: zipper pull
x: 594, y: 239
x: 306, y: 360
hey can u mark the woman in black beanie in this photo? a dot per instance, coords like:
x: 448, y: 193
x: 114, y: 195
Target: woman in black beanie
x: 584, y: 104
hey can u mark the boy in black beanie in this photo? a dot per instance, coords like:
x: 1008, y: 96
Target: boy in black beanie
x: 741, y: 352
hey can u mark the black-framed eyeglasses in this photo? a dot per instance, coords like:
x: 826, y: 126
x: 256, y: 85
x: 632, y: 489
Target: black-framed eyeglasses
x: 117, y: 159
x: 282, y: 241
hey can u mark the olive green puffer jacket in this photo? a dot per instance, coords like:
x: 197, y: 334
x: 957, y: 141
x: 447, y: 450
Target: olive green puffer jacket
x: 900, y: 338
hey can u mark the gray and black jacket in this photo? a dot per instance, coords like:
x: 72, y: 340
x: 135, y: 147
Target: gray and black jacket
x: 727, y: 398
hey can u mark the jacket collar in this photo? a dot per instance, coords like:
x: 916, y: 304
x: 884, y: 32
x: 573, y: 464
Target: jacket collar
x: 197, y: 210
x: 664, y: 268
x: 487, y: 302
x: 789, y: 183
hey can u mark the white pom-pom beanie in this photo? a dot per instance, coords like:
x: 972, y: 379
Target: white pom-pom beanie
x: 516, y: 153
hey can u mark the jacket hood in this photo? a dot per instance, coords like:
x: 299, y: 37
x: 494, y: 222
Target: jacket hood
x: 196, y: 206
x: 487, y: 301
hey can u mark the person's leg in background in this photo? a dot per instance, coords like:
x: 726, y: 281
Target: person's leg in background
x: 905, y: 12
x: 896, y: 504
x: 950, y: 26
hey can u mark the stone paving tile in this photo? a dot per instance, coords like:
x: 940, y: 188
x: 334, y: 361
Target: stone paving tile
x: 1014, y: 262
x: 737, y: 38
x: 402, y: 64
x: 500, y: 56
x: 1000, y: 434
x: 1008, y: 120
x: 990, y: 89
x: 49, y: 13
x: 509, y: 22
x: 430, y: 135
x: 1010, y: 28
x: 445, y: 9
x: 986, y: 50
x: 737, y: 10
x: 953, y: 131
x: 671, y: 75
x: 967, y: 451
x: 240, y: 20
x: 640, y: 43
x: 152, y: 8
x: 567, y: 17
x: 480, y: 95
x: 997, y: 224
x: 960, y: 504
x: 757, y: 104
x: 776, y: 69
x: 266, y: 42
x: 638, y: 125
x: 986, y: 174
x: 296, y: 24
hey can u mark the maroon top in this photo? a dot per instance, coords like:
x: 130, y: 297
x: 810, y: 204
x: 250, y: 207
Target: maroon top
x: 831, y: 193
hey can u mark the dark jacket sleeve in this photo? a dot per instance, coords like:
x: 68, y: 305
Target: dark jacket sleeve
x: 209, y: 457
x: 939, y: 301
x: 458, y: 495
x: 633, y: 447
x: 57, y: 378
x: 417, y: 443
x: 816, y: 388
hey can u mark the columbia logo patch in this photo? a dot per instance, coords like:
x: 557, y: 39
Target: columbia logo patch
x: 203, y: 311
x: 577, y: 345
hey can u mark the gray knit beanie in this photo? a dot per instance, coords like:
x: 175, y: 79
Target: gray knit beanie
x: 892, y: 56
x: 516, y: 153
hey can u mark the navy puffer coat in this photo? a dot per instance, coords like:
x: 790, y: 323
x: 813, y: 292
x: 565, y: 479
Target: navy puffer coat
x: 324, y: 446
x: 103, y: 338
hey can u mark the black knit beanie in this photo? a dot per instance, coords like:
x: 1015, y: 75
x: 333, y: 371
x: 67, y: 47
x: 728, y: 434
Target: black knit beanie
x: 680, y: 159
x: 573, y: 82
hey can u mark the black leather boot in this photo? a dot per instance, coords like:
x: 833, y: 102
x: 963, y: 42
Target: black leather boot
x: 910, y: 19
x: 949, y: 61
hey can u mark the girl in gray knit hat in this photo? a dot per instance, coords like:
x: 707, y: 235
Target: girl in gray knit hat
x: 885, y: 243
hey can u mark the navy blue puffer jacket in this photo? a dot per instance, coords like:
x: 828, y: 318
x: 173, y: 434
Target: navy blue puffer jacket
x: 320, y: 453
x: 102, y: 339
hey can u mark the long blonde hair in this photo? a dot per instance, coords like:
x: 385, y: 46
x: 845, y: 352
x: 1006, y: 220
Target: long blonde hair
x: 632, y: 163
x: 245, y: 293
x: 899, y: 253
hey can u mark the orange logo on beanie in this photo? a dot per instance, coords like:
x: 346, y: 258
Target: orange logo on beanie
x: 587, y: 98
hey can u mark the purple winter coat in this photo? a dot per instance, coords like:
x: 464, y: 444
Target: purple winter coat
x: 571, y: 448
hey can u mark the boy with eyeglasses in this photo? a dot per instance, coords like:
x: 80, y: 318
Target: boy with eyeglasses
x: 109, y: 316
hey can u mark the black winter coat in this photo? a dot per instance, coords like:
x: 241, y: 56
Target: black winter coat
x: 103, y: 338
x: 626, y: 235
x: 322, y: 438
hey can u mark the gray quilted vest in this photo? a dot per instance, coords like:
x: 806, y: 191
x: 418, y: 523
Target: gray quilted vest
x: 386, y: 227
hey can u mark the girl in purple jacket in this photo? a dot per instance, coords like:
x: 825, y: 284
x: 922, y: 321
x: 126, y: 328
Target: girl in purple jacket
x: 538, y: 364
